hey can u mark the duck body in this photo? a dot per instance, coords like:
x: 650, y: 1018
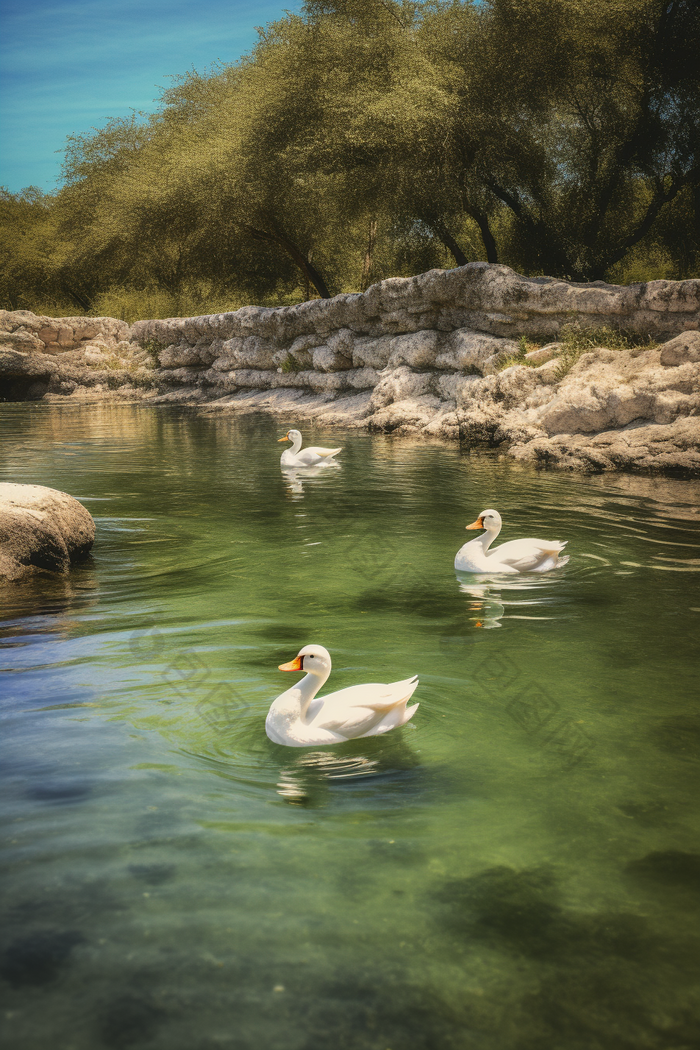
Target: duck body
x: 308, y: 457
x: 298, y: 718
x: 526, y: 555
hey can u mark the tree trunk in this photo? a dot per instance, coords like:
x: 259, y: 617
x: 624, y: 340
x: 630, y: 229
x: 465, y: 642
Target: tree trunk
x: 661, y: 197
x: 81, y: 301
x: 444, y: 235
x: 277, y: 236
x: 368, y: 260
x: 552, y: 252
x: 481, y: 219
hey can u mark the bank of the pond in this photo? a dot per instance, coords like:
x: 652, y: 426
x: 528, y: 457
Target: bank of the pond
x: 438, y: 354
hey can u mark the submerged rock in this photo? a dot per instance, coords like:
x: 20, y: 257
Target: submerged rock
x: 38, y: 957
x: 41, y: 528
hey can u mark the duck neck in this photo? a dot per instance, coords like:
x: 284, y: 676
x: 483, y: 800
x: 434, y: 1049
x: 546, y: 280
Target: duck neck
x: 488, y: 537
x: 296, y: 445
x: 308, y: 687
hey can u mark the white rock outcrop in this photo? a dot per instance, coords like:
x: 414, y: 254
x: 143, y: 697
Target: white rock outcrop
x: 424, y: 354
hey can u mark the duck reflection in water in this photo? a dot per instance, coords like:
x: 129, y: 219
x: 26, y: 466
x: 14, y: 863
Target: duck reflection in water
x: 485, y: 608
x: 308, y: 780
x: 295, y: 476
x: 492, y: 597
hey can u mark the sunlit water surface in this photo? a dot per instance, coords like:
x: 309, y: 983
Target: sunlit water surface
x: 517, y: 869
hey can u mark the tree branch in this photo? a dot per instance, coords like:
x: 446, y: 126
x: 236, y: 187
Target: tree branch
x: 661, y: 196
x: 280, y: 238
x: 482, y: 221
x: 444, y: 235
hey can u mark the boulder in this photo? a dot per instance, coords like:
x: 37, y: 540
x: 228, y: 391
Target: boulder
x: 41, y: 528
x: 468, y: 351
x: 181, y: 355
x: 21, y: 340
x: 325, y: 359
x: 681, y: 350
x: 400, y: 384
x: 416, y: 349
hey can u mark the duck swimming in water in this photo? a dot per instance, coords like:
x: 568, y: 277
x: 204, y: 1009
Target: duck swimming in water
x: 296, y: 718
x: 527, y: 555
x: 308, y: 457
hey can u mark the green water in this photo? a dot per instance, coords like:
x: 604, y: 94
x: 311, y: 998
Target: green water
x: 517, y: 869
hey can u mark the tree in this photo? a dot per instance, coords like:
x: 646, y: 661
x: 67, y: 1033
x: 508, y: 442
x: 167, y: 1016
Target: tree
x: 567, y: 109
x: 27, y: 244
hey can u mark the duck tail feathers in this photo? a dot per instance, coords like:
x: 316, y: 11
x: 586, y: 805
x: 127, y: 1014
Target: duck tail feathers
x: 399, y: 696
x: 409, y: 713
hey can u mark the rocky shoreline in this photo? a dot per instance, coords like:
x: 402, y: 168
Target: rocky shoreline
x: 439, y: 354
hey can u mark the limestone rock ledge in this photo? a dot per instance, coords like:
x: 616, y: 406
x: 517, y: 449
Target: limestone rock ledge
x: 40, y: 356
x: 41, y: 528
x: 411, y: 355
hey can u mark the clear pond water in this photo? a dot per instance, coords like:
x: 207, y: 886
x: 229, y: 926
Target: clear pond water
x: 517, y: 869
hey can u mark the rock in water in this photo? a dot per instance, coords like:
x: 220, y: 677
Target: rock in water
x: 41, y: 528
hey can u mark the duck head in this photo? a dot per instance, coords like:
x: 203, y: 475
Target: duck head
x: 292, y: 435
x: 489, y: 520
x: 312, y: 659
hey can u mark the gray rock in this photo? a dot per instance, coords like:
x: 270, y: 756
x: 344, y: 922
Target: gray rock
x: 545, y: 353
x: 181, y: 355
x: 417, y: 350
x: 468, y: 351
x: 41, y: 528
x: 325, y: 359
x: 370, y: 352
x: 400, y: 384
x: 682, y: 349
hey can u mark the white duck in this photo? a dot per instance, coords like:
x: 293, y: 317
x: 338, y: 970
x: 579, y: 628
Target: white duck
x: 298, y: 720
x: 515, y: 556
x: 292, y: 457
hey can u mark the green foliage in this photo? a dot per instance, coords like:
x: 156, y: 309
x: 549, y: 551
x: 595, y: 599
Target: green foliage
x: 290, y: 364
x: 370, y: 138
x: 580, y: 339
x: 520, y: 358
x: 153, y: 348
x: 27, y: 247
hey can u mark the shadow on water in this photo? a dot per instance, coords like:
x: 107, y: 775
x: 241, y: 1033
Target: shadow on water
x: 129, y: 1020
x: 38, y: 957
x: 667, y: 871
x: 607, y: 979
x: 60, y: 792
x: 46, y: 603
x: 153, y: 874
x: 678, y: 736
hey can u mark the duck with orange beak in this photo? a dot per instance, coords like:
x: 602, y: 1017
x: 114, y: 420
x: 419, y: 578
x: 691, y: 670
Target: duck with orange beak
x: 298, y: 719
x: 308, y: 457
x: 527, y: 555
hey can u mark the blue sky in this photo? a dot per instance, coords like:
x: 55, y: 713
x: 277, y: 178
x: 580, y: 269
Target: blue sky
x: 66, y: 67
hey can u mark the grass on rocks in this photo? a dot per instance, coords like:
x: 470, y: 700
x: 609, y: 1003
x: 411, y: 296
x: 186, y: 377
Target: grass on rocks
x: 579, y: 339
x: 290, y: 364
x: 520, y: 358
